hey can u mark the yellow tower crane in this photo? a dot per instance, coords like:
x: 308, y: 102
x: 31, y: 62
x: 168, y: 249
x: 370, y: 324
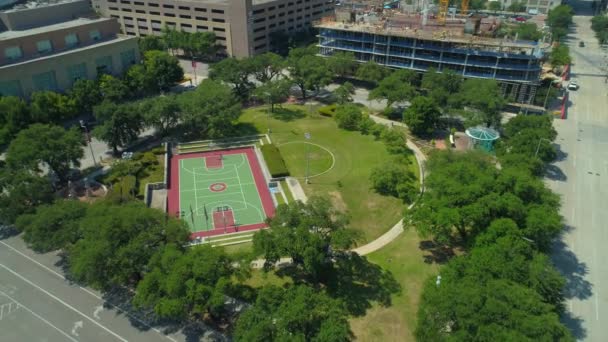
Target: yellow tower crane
x: 443, y: 11
x: 464, y: 7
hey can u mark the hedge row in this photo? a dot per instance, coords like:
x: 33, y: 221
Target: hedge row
x: 328, y: 110
x: 274, y: 160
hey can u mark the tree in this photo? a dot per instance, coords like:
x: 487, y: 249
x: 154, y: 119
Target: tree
x: 599, y: 24
x: 517, y: 6
x: 112, y: 89
x: 149, y: 43
x: 441, y: 85
x: 395, y: 88
x: 560, y: 56
x: 209, y: 111
x: 53, y: 226
x: 395, y: 141
x: 298, y: 313
x: 51, y: 107
x: 162, y: 68
x: 343, y: 92
x: 529, y: 135
x: 372, y: 72
x: 21, y: 192
x: 118, y: 241
x: 267, y: 66
x: 14, y: 116
x: 307, y: 71
x: 484, y: 98
x: 185, y: 284
x: 528, y: 31
x: 394, y: 178
x: 120, y: 124
x: 139, y: 82
x: 162, y: 113
x: 50, y: 145
x: 348, y: 116
x: 495, y: 6
x: 342, y: 64
x: 305, y: 233
x: 559, y: 19
x: 234, y: 72
x: 85, y: 94
x: 422, y: 115
x: 273, y: 92
x: 200, y: 44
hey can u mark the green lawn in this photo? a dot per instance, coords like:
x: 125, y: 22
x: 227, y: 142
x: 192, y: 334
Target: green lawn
x: 347, y: 184
x: 404, y: 259
x: 286, y: 191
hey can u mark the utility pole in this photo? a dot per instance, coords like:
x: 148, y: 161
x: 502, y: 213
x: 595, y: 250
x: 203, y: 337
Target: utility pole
x: 307, y: 136
x: 88, y: 137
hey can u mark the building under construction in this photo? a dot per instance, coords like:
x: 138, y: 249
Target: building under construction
x: 436, y: 38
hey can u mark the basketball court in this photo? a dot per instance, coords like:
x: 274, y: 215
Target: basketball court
x: 219, y: 192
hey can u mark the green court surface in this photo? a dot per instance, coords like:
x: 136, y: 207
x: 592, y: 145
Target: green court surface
x: 206, y: 193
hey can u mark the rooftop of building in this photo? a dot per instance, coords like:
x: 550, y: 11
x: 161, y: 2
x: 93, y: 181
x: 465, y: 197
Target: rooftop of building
x: 403, y: 24
x: 36, y: 4
x: 54, y: 27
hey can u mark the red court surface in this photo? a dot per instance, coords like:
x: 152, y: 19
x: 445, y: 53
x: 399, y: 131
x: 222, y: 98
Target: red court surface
x: 223, y: 219
x: 173, y: 192
x: 214, y: 162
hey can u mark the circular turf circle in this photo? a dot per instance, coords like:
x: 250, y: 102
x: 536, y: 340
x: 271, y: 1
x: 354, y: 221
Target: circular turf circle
x: 217, y: 187
x: 322, y: 160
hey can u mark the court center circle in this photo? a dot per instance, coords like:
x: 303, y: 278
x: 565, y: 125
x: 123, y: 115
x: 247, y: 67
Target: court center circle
x: 218, y: 187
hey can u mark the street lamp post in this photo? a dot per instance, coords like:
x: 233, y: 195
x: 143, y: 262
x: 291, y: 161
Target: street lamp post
x: 307, y: 136
x: 538, y: 146
x: 88, y: 137
x: 267, y: 94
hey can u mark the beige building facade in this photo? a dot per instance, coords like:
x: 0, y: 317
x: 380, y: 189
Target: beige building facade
x: 242, y: 27
x: 51, y: 46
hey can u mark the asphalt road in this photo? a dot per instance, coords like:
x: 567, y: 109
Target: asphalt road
x: 580, y: 176
x: 38, y: 304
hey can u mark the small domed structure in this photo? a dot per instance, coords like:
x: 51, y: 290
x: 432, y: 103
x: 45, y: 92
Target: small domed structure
x: 482, y: 137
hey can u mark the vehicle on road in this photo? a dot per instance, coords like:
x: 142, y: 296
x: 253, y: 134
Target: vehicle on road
x: 581, y: 44
x: 573, y: 85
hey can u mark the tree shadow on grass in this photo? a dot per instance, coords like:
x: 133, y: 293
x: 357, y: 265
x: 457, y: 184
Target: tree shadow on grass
x: 244, y: 129
x: 435, y: 252
x: 287, y: 114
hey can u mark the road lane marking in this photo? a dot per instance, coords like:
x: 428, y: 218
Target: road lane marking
x: 88, y: 291
x: 77, y: 325
x: 39, y: 317
x: 62, y: 302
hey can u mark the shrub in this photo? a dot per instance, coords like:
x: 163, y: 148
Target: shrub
x: 348, y: 117
x: 328, y: 110
x: 274, y: 160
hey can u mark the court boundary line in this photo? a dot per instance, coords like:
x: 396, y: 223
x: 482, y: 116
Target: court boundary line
x: 38, y: 316
x: 240, y: 187
x: 89, y: 292
x: 257, y: 191
x: 31, y: 283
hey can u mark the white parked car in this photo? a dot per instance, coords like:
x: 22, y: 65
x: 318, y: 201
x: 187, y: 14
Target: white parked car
x: 573, y: 86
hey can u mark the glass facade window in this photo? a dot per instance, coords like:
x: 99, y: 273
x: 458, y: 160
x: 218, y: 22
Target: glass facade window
x: 10, y: 88
x: 13, y: 52
x: 71, y: 40
x: 45, y: 81
x: 104, y: 65
x: 127, y: 58
x: 44, y: 46
x: 95, y: 35
x: 77, y: 71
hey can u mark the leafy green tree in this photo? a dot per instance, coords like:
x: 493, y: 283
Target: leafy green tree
x: 50, y: 145
x: 52, y: 226
x: 162, y: 113
x: 305, y: 233
x: 560, y: 55
x: 372, y: 72
x: 298, y: 313
x: 21, y: 192
x: 395, y: 141
x: 441, y: 85
x: 422, y: 115
x: 185, y: 284
x: 120, y: 124
x: 397, y: 87
x: 85, y: 94
x: 517, y: 7
x: 273, y: 92
x: 51, y: 107
x: 113, y: 89
x: 307, y: 71
x: 118, y: 241
x: 138, y: 81
x: 267, y: 66
x: 484, y: 100
x: 559, y: 19
x: 236, y: 73
x: 495, y: 6
x: 149, y: 43
x: 394, y: 178
x: 210, y: 111
x: 529, y: 135
x: 528, y: 31
x: 599, y: 24
x: 342, y: 64
x: 200, y: 45
x: 14, y: 116
x: 343, y: 92
x: 162, y: 68
x: 348, y: 116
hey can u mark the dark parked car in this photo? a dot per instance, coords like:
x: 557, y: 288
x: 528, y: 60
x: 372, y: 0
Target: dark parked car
x: 581, y: 43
